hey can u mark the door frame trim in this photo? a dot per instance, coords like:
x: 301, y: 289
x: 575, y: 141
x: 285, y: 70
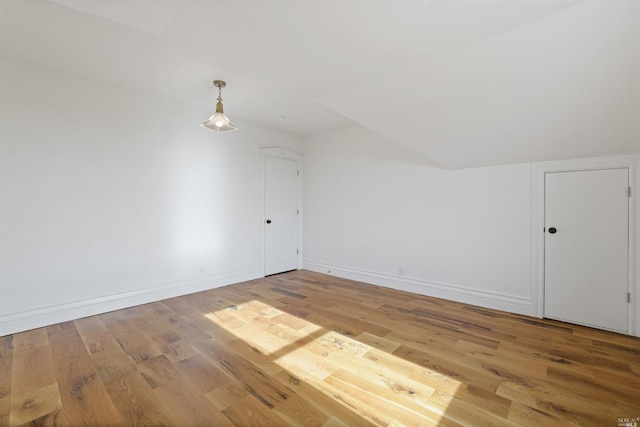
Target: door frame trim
x: 538, y: 171
x: 281, y: 153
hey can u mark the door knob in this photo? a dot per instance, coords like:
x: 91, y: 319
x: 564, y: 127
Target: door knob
x: 269, y: 222
x: 552, y: 230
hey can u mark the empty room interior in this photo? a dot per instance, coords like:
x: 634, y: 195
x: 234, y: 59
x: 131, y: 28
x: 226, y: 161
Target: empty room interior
x: 319, y: 213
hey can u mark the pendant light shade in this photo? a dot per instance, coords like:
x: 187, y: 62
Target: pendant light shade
x: 219, y: 122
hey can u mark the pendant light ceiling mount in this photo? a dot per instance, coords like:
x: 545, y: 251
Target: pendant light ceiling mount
x: 219, y: 122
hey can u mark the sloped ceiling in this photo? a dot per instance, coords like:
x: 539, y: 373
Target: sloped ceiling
x: 461, y: 82
x: 561, y: 87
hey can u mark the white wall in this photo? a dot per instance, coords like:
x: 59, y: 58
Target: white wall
x: 111, y: 198
x: 462, y: 235
x: 371, y: 205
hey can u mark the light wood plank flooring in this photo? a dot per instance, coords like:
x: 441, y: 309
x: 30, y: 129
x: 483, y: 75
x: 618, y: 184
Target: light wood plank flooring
x: 307, y: 349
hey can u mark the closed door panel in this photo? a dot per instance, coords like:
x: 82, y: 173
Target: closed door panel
x: 586, y: 247
x: 281, y: 215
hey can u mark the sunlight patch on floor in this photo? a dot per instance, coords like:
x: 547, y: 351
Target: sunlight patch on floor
x: 354, y: 373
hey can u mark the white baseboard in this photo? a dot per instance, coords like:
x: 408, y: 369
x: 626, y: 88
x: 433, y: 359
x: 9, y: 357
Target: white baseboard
x: 44, y: 316
x: 498, y: 301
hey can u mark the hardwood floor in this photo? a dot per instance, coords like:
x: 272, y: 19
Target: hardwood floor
x: 307, y: 349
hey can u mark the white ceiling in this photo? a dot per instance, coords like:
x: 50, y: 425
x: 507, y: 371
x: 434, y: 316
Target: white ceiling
x: 462, y: 82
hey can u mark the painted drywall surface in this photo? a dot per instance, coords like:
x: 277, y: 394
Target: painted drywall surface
x: 561, y: 87
x: 105, y: 191
x: 467, y: 229
x: 464, y: 230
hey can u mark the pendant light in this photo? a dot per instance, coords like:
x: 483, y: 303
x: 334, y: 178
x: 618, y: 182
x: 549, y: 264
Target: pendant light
x: 219, y: 122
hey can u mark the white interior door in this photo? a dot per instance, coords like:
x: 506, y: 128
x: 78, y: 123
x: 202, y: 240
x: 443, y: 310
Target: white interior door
x: 586, y: 248
x: 281, y: 215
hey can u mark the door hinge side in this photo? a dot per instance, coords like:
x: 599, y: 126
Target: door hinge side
x: 629, y: 191
x: 298, y: 251
x: 628, y: 297
x: 297, y: 173
x: 297, y: 211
